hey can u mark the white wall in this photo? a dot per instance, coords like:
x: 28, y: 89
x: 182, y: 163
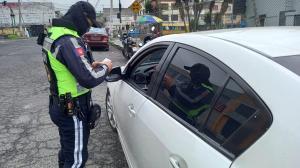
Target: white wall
x: 271, y: 8
x: 32, y: 13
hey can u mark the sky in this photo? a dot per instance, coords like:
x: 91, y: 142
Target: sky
x: 65, y: 4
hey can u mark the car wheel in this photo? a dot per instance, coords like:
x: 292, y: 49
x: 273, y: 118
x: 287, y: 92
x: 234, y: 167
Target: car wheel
x: 110, y: 112
x: 130, y: 54
x: 107, y: 49
x: 126, y: 54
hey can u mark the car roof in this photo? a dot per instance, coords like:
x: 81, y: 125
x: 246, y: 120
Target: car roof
x: 268, y: 41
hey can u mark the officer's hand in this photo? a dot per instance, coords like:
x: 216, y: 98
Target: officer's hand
x: 106, y: 62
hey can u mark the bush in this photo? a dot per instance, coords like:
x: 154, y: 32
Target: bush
x: 12, y: 36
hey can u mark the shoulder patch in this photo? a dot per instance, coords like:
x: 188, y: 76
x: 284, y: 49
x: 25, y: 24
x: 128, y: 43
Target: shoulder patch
x: 80, y: 51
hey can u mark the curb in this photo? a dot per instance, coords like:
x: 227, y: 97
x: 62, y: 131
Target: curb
x: 116, y: 46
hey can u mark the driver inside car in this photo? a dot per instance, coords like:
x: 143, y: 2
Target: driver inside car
x: 190, y: 99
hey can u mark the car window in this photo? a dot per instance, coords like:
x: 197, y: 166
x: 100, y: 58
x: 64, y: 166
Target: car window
x: 189, y: 85
x: 290, y: 62
x: 98, y: 30
x: 237, y: 119
x: 142, y: 73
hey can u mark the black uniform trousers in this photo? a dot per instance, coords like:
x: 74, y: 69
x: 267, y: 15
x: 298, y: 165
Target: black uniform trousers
x: 73, y: 131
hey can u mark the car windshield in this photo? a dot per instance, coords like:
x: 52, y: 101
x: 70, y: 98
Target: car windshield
x: 98, y: 30
x: 290, y: 62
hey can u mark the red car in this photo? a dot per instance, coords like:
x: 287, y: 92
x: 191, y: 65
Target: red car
x: 97, y: 37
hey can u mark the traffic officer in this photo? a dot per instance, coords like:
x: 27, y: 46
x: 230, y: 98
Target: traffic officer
x: 72, y: 73
x: 190, y: 99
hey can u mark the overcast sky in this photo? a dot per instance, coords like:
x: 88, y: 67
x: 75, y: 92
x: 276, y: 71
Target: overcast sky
x: 65, y: 4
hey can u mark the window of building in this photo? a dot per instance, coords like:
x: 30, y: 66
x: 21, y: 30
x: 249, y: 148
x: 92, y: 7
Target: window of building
x: 216, y: 7
x: 165, y: 6
x: 174, y: 17
x: 237, y: 119
x: 174, y: 7
x: 189, y: 85
x: 262, y: 19
x: 297, y: 20
x: 165, y: 17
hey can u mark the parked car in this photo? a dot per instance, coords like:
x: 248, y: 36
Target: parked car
x: 215, y: 99
x: 97, y: 37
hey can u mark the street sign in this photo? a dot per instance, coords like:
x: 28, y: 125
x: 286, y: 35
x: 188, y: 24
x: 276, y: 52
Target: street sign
x: 136, y: 7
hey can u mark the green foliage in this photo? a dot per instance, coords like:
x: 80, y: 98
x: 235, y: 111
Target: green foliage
x: 12, y: 36
x: 148, y: 7
x: 207, y: 19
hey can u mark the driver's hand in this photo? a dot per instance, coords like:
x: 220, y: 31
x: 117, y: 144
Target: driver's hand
x: 106, y: 62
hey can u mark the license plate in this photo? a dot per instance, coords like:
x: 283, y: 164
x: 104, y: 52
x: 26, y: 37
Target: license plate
x: 95, y: 38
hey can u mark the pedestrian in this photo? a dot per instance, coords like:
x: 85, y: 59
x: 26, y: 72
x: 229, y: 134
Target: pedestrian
x: 72, y: 72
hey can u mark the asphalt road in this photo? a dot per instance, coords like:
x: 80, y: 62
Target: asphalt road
x: 28, y: 138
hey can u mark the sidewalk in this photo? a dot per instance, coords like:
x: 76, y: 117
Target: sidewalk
x: 116, y: 42
x: 2, y: 40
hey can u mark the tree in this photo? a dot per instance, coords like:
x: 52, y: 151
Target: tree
x: 207, y: 20
x: 179, y: 5
x: 197, y: 7
x: 208, y: 17
x: 224, y: 7
x: 148, y: 7
x: 153, y: 8
x: 186, y: 8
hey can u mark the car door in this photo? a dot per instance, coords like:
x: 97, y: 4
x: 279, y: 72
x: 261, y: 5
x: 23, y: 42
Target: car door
x: 232, y: 120
x: 132, y: 92
x: 165, y: 140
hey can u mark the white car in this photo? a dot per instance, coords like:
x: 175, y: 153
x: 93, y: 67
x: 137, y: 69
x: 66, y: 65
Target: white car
x: 214, y: 99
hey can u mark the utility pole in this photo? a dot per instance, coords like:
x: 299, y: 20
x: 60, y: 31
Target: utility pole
x: 111, y: 15
x: 232, y: 14
x: 20, y: 16
x: 120, y: 11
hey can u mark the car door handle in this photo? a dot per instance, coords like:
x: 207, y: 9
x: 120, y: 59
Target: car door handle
x: 177, y: 162
x: 131, y: 110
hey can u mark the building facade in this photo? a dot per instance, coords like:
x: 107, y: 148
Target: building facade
x: 33, y: 13
x: 273, y: 12
x: 113, y: 21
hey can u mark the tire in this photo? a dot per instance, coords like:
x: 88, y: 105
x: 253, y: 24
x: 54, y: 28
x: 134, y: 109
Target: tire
x: 130, y: 54
x: 124, y: 53
x: 110, y: 113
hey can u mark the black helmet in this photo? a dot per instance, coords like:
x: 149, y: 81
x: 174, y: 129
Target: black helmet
x: 78, y: 13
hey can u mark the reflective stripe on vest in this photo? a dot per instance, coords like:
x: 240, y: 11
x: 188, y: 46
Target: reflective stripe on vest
x: 194, y: 112
x: 191, y: 113
x: 66, y: 82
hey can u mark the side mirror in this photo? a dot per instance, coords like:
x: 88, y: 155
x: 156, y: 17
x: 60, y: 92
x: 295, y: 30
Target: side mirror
x: 114, y: 75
